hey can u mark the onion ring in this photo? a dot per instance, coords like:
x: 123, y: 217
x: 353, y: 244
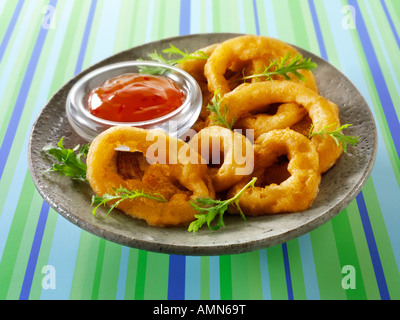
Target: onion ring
x: 322, y: 112
x: 295, y: 194
x: 237, y: 159
x: 286, y: 116
x: 247, y: 48
x: 178, y: 183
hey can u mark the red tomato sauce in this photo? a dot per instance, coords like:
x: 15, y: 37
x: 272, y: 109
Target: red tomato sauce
x: 135, y: 97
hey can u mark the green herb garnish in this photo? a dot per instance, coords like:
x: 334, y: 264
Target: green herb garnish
x: 172, y: 50
x: 120, y: 195
x: 210, y: 208
x: 70, y: 163
x: 283, y: 67
x: 335, y: 134
x: 216, y: 116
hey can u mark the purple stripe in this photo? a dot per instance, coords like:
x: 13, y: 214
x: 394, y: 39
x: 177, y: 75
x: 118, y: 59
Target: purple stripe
x: 22, y: 95
x: 395, y: 34
x: 377, y: 75
x: 373, y: 249
x: 318, y: 31
x: 287, y: 271
x: 33, y: 256
x: 184, y: 18
x: 176, y: 277
x: 85, y: 39
x: 256, y: 17
x: 10, y: 28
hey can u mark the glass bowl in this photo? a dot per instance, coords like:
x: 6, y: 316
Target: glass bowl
x: 176, y: 123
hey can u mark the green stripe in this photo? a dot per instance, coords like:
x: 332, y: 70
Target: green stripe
x: 204, y: 278
x: 110, y: 271
x: 298, y: 24
x: 329, y: 42
x: 254, y: 275
x: 394, y: 11
x: 348, y: 253
x: 296, y: 270
x: 284, y: 23
x: 225, y: 277
x: 262, y: 21
x: 6, y: 16
x: 276, y: 272
x: 125, y: 30
x: 85, y: 267
x: 140, y: 20
x: 7, y: 263
x: 240, y: 277
x: 327, y: 264
x: 156, y: 276
x: 141, y: 275
x: 366, y: 275
x: 216, y: 16
x: 131, y: 274
x: 98, y: 270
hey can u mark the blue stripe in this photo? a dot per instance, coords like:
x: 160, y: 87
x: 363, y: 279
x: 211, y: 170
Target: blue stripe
x: 318, y: 32
x: 373, y: 249
x: 215, y: 288
x: 192, y: 278
x: 22, y: 95
x: 256, y: 17
x: 265, y: 285
x: 287, y: 271
x: 379, y: 80
x: 395, y: 34
x: 33, y: 256
x: 176, y: 277
x: 123, y: 273
x: 10, y: 28
x: 308, y: 265
x: 85, y: 39
x: 184, y: 17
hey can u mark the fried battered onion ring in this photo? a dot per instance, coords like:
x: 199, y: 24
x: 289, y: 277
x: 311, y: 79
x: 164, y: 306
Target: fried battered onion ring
x: 295, y: 194
x: 229, y: 154
x: 287, y: 115
x: 176, y: 182
x: 322, y: 112
x: 243, y: 49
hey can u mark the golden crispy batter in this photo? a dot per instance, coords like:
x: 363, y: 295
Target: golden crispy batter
x: 229, y: 154
x: 166, y: 174
x: 322, y: 112
x: 249, y: 48
x: 287, y: 115
x: 297, y: 192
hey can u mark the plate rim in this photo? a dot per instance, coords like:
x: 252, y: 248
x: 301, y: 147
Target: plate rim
x: 221, y: 249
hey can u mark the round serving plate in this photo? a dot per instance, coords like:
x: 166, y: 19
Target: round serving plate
x: 339, y: 186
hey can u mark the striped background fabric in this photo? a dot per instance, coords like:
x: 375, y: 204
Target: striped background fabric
x: 44, y: 43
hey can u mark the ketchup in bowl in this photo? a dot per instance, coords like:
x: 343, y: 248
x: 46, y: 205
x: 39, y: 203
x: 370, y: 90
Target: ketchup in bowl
x: 135, y: 97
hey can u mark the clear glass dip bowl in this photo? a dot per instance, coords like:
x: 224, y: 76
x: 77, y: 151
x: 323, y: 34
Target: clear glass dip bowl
x: 176, y: 123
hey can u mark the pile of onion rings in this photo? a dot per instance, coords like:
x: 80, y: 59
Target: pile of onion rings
x: 271, y: 122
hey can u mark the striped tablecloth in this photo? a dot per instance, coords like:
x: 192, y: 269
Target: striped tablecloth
x: 44, y: 43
